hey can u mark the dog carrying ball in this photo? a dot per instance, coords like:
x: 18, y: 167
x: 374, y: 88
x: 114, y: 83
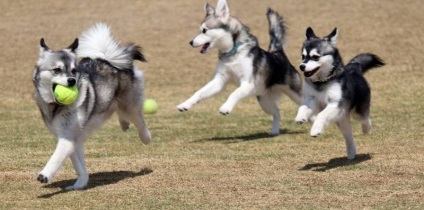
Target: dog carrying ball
x: 65, y: 95
x: 150, y: 106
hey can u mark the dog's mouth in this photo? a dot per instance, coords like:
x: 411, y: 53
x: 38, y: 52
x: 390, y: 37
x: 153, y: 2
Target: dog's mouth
x: 310, y: 73
x: 205, y: 48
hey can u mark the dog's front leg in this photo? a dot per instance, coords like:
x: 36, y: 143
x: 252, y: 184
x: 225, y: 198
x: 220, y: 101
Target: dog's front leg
x: 213, y: 87
x: 331, y: 113
x: 78, y: 161
x: 64, y: 149
x: 305, y: 111
x: 246, y: 89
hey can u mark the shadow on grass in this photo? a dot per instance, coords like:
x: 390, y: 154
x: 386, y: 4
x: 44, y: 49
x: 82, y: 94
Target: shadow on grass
x: 96, y: 180
x: 250, y: 137
x: 335, y: 163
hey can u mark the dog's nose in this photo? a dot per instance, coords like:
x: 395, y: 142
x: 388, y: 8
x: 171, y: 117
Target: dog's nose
x: 302, y: 67
x: 71, y: 81
x: 191, y: 42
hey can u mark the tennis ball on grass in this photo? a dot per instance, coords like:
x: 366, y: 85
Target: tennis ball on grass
x: 150, y: 106
x: 65, y: 95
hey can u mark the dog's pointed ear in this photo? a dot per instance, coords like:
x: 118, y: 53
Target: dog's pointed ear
x: 74, y: 45
x: 209, y: 10
x: 222, y: 11
x: 310, y: 33
x: 43, y: 46
x: 332, y: 37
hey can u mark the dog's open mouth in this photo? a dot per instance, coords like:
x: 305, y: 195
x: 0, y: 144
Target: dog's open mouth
x: 205, y: 48
x: 310, y: 73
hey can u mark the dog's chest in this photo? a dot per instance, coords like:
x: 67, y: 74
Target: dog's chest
x: 239, y: 69
x: 331, y: 93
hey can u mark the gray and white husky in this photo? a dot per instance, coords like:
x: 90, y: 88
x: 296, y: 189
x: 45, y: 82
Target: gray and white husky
x: 107, y: 80
x: 332, y: 91
x: 260, y: 73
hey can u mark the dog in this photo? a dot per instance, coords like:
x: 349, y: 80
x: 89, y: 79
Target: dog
x: 264, y: 74
x: 332, y: 91
x: 108, y: 81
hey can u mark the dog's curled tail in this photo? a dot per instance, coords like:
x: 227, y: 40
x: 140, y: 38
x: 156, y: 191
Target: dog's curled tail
x: 365, y: 61
x: 98, y: 43
x: 277, y: 30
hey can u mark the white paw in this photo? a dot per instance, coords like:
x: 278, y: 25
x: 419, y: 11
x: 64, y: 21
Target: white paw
x: 43, y: 178
x: 315, y: 131
x: 351, y: 152
x: 145, y: 136
x: 80, y: 184
x: 274, y: 132
x: 225, y: 109
x: 185, y: 106
x: 300, y: 120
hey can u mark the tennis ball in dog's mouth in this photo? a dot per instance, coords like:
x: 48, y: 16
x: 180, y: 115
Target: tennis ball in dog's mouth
x: 65, y: 95
x: 150, y: 106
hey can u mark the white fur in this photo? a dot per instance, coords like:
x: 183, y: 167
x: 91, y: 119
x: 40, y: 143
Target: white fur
x: 98, y: 42
x: 322, y: 108
x: 238, y: 70
x: 74, y: 123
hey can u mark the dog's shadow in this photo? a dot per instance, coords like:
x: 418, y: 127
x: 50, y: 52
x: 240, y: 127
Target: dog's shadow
x: 336, y: 163
x: 249, y: 137
x: 96, y: 180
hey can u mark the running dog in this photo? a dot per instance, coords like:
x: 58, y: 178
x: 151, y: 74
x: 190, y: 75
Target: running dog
x: 332, y: 91
x: 107, y: 80
x: 264, y: 74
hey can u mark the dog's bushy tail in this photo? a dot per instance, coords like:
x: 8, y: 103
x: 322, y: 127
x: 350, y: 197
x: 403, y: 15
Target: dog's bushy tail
x: 277, y: 30
x: 98, y: 43
x: 365, y: 61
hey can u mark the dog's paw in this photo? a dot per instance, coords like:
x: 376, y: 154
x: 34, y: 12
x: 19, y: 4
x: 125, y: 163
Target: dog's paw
x: 80, y: 184
x: 300, y: 120
x: 42, y: 178
x: 315, y: 131
x: 274, y: 132
x: 184, y: 107
x: 225, y: 109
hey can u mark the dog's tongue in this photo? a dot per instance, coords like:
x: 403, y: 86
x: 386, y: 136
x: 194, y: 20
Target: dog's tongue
x: 310, y: 73
x: 204, y: 48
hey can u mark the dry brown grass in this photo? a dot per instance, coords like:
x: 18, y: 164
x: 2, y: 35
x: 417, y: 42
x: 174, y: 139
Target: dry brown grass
x: 201, y: 160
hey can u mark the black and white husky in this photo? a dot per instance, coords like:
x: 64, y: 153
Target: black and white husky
x: 260, y: 73
x: 333, y: 91
x: 107, y: 80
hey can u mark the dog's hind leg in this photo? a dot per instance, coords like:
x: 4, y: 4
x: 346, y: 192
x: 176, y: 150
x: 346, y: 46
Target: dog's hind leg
x: 64, y: 149
x: 135, y: 115
x: 125, y: 124
x: 78, y: 161
x: 346, y: 129
x: 268, y: 103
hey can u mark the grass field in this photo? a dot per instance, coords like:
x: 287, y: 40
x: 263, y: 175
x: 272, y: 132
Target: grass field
x: 200, y: 159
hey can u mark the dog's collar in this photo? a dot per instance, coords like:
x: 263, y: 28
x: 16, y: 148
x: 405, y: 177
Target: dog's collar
x: 331, y: 75
x: 232, y: 52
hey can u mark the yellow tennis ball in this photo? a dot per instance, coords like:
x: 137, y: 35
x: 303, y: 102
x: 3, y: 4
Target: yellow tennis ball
x: 65, y: 95
x: 150, y: 106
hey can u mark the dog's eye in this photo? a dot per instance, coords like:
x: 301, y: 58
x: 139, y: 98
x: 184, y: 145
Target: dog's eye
x: 56, y: 70
x: 204, y: 30
x: 73, y: 71
x: 303, y: 57
x: 315, y: 57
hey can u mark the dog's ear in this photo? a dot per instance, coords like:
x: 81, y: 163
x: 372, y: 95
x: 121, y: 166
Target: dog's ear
x: 73, y: 46
x: 209, y: 10
x: 43, y: 46
x: 310, y: 33
x: 332, y: 37
x: 222, y: 11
